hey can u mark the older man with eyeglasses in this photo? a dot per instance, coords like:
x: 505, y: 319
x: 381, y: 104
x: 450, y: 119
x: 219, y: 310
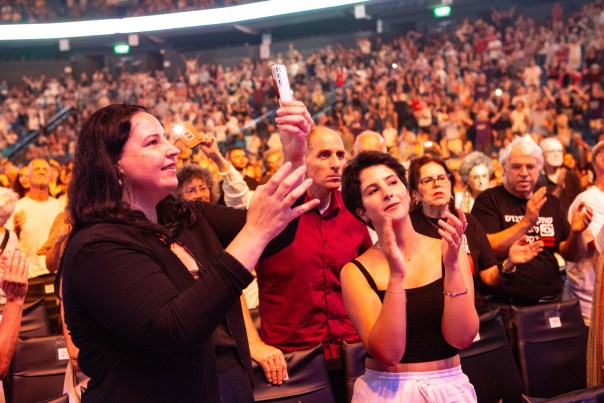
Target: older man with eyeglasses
x: 560, y: 181
x: 516, y: 211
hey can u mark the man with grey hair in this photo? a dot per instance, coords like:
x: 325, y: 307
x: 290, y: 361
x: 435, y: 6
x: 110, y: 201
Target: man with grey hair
x: 581, y: 273
x: 559, y: 181
x: 34, y: 215
x: 369, y: 140
x: 515, y: 211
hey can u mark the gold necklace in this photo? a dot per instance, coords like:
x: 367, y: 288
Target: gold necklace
x: 431, y: 223
x: 378, y: 246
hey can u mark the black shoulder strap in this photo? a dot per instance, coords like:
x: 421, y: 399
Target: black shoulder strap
x: 367, y: 275
x: 5, y: 240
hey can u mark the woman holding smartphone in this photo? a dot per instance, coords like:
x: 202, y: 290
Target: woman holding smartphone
x: 152, y: 283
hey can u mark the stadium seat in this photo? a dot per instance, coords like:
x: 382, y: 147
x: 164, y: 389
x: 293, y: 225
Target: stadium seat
x: 551, y: 347
x: 255, y: 313
x: 353, y: 361
x: 44, y: 287
x: 37, y: 371
x: 60, y: 399
x: 34, y: 322
x: 594, y: 394
x: 308, y: 380
x: 489, y: 362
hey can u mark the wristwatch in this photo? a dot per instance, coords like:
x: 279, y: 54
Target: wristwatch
x: 504, y: 271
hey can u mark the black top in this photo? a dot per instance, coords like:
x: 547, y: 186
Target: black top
x: 425, y: 306
x: 497, y: 210
x: 572, y: 187
x: 143, y: 325
x: 474, y: 241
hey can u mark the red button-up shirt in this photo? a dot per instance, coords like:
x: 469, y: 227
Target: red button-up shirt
x: 301, y: 301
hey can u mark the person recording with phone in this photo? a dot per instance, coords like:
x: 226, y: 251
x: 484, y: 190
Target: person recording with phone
x: 301, y: 302
x: 151, y: 283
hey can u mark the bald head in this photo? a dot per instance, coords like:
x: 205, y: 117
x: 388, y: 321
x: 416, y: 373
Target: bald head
x: 321, y: 134
x: 369, y: 141
x: 325, y: 157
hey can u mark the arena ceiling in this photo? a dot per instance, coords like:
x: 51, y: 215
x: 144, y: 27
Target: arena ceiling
x: 339, y: 20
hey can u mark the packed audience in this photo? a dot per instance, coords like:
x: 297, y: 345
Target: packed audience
x: 36, y: 11
x: 459, y: 97
x: 470, y: 87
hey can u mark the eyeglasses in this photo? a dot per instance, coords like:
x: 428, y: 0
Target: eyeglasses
x: 519, y: 168
x: 193, y: 190
x: 432, y: 181
x: 478, y: 177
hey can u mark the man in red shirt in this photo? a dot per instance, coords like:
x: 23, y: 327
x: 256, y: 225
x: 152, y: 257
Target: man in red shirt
x: 300, y: 296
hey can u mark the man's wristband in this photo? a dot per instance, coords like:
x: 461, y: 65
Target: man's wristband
x: 506, y: 273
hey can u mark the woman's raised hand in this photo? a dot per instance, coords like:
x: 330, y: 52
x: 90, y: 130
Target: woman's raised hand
x: 271, y: 208
x: 391, y: 250
x: 14, y: 266
x: 451, y: 232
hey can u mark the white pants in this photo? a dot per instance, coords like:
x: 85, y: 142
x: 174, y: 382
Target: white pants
x: 446, y: 386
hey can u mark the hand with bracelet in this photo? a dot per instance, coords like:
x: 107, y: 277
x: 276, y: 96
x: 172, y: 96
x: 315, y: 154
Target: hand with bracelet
x: 519, y: 253
x: 13, y: 282
x: 14, y: 278
x: 452, y: 234
x: 374, y: 187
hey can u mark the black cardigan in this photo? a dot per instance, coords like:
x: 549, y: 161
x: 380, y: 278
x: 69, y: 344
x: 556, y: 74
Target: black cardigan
x: 143, y: 325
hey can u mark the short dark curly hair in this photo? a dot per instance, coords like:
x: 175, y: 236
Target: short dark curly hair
x: 351, y: 182
x: 190, y: 171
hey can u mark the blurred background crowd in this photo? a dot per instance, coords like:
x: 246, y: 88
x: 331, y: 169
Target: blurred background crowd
x: 470, y: 86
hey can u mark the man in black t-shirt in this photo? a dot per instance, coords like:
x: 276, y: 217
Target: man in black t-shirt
x: 516, y: 211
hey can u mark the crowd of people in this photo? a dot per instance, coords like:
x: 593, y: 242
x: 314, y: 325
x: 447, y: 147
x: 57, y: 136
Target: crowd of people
x: 477, y: 147
x: 42, y: 11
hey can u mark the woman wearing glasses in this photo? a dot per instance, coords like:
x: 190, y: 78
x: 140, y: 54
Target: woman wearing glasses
x: 410, y: 297
x: 431, y: 183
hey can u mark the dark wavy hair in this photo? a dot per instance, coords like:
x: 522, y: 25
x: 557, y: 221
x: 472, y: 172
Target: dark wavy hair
x: 351, y: 182
x: 415, y: 167
x: 95, y: 192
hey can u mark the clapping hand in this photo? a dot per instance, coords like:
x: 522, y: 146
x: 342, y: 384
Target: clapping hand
x: 581, y: 218
x: 523, y: 253
x: 271, y: 208
x: 534, y: 204
x: 451, y: 232
x: 391, y: 250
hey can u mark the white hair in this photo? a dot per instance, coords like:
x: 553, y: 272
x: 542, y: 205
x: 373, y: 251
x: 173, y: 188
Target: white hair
x: 370, y: 133
x: 8, y: 199
x: 527, y: 145
x: 548, y: 142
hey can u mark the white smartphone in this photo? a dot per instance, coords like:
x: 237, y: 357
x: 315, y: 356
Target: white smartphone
x: 281, y: 82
